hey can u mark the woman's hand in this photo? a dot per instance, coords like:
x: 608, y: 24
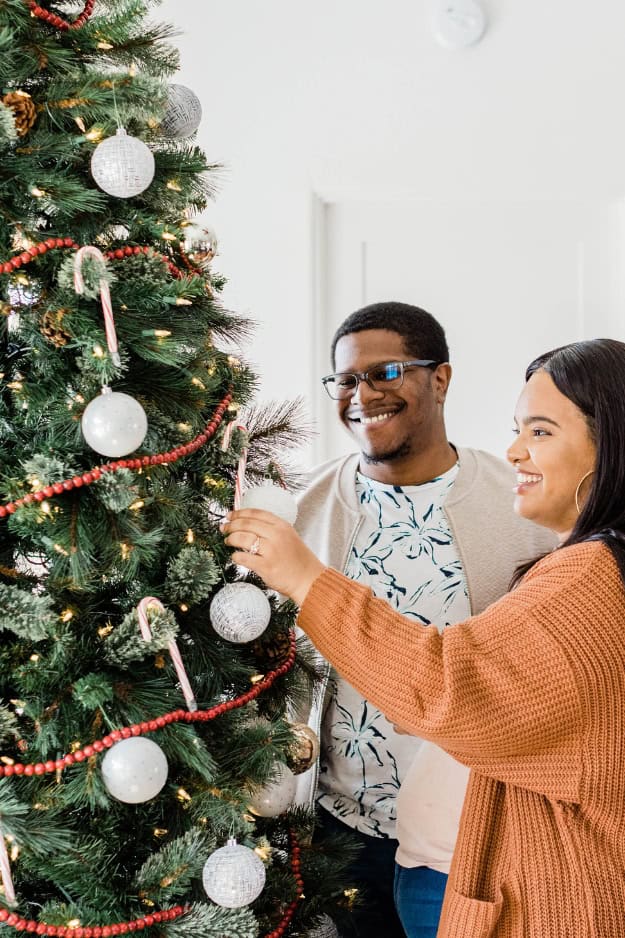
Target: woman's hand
x: 271, y: 548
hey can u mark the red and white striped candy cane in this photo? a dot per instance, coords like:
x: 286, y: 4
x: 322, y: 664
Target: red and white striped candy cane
x: 105, y: 296
x: 239, y: 481
x: 5, y: 873
x: 144, y: 625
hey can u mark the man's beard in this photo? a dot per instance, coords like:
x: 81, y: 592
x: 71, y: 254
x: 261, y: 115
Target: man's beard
x: 400, y: 452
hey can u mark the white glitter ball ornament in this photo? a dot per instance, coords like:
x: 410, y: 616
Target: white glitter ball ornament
x: 134, y: 770
x: 233, y: 876
x: 114, y: 424
x: 183, y: 114
x: 274, y: 798
x: 240, y: 612
x: 273, y: 498
x: 122, y: 165
x: 324, y: 929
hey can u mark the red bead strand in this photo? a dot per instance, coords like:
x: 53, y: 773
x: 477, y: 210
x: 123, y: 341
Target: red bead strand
x: 57, y: 21
x: 92, y: 931
x: 172, y: 455
x: 25, y: 257
x: 281, y: 928
x: 150, y: 726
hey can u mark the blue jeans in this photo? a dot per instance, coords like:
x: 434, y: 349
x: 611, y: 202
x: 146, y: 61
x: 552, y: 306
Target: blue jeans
x: 418, y: 894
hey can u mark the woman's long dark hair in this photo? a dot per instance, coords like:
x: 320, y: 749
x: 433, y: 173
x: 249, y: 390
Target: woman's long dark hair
x: 592, y: 375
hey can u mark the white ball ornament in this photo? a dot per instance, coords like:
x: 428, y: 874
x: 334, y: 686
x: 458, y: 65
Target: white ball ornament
x: 240, y: 612
x: 114, y: 424
x: 273, y: 498
x: 183, y: 114
x: 122, y: 165
x: 233, y: 876
x: 325, y: 928
x: 275, y: 797
x: 134, y: 770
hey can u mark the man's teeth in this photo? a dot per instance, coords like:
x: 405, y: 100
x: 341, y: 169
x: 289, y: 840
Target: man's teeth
x: 524, y: 477
x: 377, y: 418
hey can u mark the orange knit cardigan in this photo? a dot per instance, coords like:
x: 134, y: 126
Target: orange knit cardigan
x: 531, y: 695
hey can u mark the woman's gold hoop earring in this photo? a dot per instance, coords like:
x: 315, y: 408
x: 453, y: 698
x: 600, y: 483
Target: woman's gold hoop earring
x: 579, y: 485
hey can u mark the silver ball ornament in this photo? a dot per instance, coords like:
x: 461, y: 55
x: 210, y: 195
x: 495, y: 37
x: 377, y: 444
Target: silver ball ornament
x: 325, y: 928
x: 114, y: 424
x: 273, y: 498
x: 122, y: 165
x: 134, y: 770
x: 183, y: 114
x: 199, y: 245
x: 275, y: 797
x: 233, y: 876
x: 240, y: 612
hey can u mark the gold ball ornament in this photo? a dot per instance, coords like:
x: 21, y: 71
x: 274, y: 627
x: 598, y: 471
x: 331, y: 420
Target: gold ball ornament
x: 24, y: 110
x: 199, y: 246
x: 304, y: 751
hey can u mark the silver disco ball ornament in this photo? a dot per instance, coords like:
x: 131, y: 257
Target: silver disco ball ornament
x: 325, y: 928
x: 275, y: 797
x: 233, y: 876
x: 273, y: 498
x: 134, y: 770
x: 114, y: 424
x: 122, y: 165
x: 240, y: 612
x: 199, y: 245
x: 183, y: 114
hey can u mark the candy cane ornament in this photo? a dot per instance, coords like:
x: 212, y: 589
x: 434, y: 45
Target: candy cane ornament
x: 239, y: 481
x: 105, y: 296
x: 144, y: 625
x: 5, y: 873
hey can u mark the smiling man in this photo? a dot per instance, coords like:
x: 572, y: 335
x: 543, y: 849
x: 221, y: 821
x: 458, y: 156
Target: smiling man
x: 430, y: 528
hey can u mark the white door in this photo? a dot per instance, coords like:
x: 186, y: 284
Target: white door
x: 507, y: 280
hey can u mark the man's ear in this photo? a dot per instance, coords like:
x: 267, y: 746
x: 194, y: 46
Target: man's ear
x: 441, y: 376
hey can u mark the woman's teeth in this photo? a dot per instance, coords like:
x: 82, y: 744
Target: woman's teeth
x: 523, y: 478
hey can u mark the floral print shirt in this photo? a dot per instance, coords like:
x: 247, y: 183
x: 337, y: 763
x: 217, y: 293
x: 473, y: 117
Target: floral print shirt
x: 405, y: 552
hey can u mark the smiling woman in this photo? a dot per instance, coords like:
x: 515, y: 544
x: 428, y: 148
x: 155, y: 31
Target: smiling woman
x: 529, y: 693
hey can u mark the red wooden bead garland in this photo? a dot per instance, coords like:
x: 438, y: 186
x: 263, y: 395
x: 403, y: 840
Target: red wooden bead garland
x: 94, y: 474
x: 299, y: 888
x: 25, y: 257
x: 150, y: 726
x: 54, y: 20
x: 92, y: 931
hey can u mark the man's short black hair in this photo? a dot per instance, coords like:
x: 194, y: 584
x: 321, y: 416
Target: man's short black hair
x: 423, y: 336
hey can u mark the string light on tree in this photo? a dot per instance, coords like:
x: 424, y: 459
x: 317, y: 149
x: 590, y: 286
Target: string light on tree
x: 134, y: 770
x: 233, y: 876
x: 122, y: 166
x: 240, y: 612
x: 183, y: 115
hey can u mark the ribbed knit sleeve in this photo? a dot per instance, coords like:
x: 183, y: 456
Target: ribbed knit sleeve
x: 499, y: 691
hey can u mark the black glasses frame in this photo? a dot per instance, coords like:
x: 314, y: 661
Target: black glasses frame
x: 330, y: 380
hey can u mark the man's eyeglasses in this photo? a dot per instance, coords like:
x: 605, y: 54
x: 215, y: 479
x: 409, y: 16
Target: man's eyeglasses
x: 387, y: 376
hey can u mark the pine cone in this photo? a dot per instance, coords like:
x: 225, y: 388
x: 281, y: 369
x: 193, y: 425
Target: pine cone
x: 51, y: 327
x: 24, y: 111
x: 272, y: 652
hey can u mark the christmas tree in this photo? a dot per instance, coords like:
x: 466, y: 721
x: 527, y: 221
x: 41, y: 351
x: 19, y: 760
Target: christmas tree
x: 147, y: 761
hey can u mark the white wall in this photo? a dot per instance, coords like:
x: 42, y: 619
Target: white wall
x: 355, y: 99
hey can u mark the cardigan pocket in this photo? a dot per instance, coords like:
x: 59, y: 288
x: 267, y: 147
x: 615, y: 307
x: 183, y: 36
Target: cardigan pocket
x: 464, y: 917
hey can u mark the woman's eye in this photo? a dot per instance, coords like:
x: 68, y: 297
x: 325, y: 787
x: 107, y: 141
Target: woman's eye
x: 538, y: 431
x: 515, y: 431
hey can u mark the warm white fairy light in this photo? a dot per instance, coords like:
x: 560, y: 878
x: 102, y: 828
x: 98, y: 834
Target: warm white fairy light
x: 183, y: 301
x: 190, y: 536
x: 67, y: 615
x: 98, y: 351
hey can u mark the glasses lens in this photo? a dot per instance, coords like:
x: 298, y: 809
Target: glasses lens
x: 388, y: 375
x: 340, y: 386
